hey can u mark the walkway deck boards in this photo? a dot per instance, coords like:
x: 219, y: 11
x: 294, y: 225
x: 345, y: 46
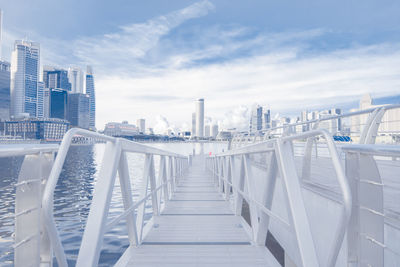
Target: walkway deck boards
x: 198, y: 228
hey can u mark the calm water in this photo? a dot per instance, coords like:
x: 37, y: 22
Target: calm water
x: 73, y: 196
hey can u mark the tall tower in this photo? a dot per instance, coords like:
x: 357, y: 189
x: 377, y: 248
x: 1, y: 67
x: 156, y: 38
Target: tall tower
x: 90, y: 91
x: 75, y: 77
x: 24, y: 78
x: 200, y: 117
x: 193, y: 124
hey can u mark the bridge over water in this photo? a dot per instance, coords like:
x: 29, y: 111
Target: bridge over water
x: 326, y: 203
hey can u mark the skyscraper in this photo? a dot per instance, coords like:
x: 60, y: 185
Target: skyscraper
x: 56, y: 78
x: 256, y: 119
x: 200, y: 117
x: 266, y: 118
x: 4, y: 90
x: 90, y: 91
x: 24, y: 78
x: 207, y: 131
x: 214, y: 130
x: 78, y: 110
x: 40, y: 100
x: 75, y: 77
x: 58, y: 103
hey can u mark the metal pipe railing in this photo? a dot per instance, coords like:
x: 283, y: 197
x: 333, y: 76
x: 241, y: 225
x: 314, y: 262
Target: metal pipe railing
x: 47, y: 202
x: 272, y: 146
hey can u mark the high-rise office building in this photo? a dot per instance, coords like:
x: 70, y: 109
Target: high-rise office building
x: 256, y: 119
x: 193, y: 124
x: 90, y: 91
x: 56, y: 78
x: 75, y: 77
x: 4, y: 90
x: 78, y: 110
x: 40, y: 100
x: 58, y: 103
x: 266, y: 118
x: 200, y: 117
x: 24, y: 78
x: 141, y: 124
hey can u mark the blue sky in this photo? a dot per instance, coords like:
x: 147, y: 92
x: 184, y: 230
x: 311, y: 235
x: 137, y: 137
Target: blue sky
x: 153, y: 58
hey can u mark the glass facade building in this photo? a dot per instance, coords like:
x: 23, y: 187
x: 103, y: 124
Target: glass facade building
x: 4, y: 90
x: 58, y: 103
x: 90, y: 91
x: 24, y: 78
x: 78, y: 110
x: 56, y: 78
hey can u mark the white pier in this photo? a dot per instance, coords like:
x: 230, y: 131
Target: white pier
x: 197, y: 227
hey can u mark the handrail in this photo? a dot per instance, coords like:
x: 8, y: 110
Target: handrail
x: 349, y: 114
x: 14, y: 150
x: 265, y: 146
x: 47, y: 201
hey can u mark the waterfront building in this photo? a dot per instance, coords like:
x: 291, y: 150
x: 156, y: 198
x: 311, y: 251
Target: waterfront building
x: 256, y: 119
x: 200, y: 117
x: 37, y: 128
x: 56, y: 78
x: 214, y: 131
x: 90, y: 91
x: 78, y: 110
x: 141, y: 124
x: 194, y: 124
x: 24, y: 78
x: 207, y: 131
x: 4, y: 89
x: 58, y: 103
x: 119, y: 129
x: 75, y: 77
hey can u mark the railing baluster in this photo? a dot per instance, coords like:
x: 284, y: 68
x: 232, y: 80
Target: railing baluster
x: 126, y: 191
x: 143, y: 193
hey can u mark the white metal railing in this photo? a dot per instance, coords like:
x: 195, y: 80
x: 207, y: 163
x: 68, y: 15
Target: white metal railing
x: 233, y: 174
x: 364, y: 126
x: 373, y: 233
x: 33, y: 174
x: 172, y: 167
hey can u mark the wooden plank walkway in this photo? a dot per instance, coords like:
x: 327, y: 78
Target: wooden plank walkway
x: 197, y: 228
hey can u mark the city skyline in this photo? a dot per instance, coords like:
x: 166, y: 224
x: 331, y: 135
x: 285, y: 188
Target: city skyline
x: 232, y: 65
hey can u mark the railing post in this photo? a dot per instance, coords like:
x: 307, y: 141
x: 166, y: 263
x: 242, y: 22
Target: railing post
x: 267, y: 197
x: 126, y: 191
x: 240, y: 185
x: 296, y: 208
x: 92, y: 240
x: 163, y: 178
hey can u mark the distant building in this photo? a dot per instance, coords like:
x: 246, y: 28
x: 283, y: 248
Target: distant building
x: 78, y: 110
x: 266, y: 119
x: 56, y: 78
x: 194, y: 124
x: 256, y: 119
x: 75, y: 77
x: 207, y: 131
x: 123, y: 129
x: 390, y: 122
x: 334, y: 126
x: 4, y: 89
x: 34, y: 128
x: 40, y: 108
x: 24, y: 78
x: 141, y: 124
x: 58, y: 103
x: 200, y: 117
x: 90, y: 91
x: 214, y: 131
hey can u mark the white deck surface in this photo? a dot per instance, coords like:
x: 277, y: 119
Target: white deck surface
x: 197, y: 228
